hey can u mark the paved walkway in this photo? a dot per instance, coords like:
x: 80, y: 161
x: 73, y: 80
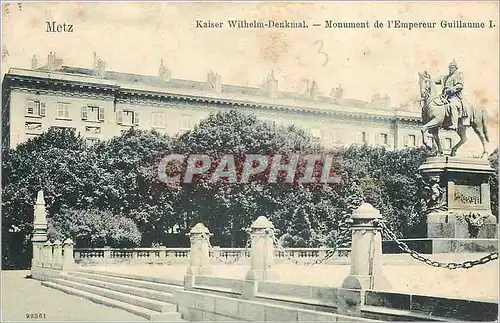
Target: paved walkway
x: 22, y: 296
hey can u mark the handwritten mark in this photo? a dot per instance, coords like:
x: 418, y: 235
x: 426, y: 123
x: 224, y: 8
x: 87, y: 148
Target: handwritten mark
x: 320, y: 51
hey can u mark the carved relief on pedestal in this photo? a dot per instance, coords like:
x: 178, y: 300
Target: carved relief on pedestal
x: 474, y: 220
x: 434, y: 195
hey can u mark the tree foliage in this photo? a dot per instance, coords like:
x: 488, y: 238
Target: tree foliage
x: 110, y: 194
x: 94, y: 229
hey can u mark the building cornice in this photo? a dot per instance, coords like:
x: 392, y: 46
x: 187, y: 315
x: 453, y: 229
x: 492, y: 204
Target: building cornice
x: 77, y: 85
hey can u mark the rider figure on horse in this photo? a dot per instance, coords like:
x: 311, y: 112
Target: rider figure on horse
x: 453, y: 84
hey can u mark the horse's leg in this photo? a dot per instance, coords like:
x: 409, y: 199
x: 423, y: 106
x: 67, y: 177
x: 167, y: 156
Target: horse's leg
x: 434, y: 123
x: 435, y: 134
x: 462, y: 132
x: 478, y: 129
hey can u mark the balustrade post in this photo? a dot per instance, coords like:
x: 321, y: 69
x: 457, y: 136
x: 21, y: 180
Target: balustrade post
x: 163, y: 252
x: 366, y: 250
x: 39, y: 230
x: 216, y: 252
x: 48, y: 255
x: 322, y: 252
x: 199, y: 257
x: 57, y: 259
x: 69, y: 260
x: 107, y: 254
x: 261, y: 256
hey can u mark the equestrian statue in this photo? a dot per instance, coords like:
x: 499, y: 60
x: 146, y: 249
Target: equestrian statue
x: 447, y: 109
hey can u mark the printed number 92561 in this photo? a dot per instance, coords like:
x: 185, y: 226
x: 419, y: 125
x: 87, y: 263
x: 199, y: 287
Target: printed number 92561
x: 35, y: 316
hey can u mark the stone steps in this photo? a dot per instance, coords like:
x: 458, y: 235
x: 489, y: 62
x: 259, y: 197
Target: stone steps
x: 152, y: 279
x: 158, y: 291
x: 146, y: 299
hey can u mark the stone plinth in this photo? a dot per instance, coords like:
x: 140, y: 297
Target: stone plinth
x: 68, y: 258
x: 366, y: 250
x: 460, y: 203
x: 199, y: 255
x: 261, y: 256
x: 262, y: 250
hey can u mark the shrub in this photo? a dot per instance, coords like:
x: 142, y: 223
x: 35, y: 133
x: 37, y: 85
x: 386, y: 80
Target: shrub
x: 94, y: 228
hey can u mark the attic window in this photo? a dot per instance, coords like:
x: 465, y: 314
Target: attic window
x: 135, y: 80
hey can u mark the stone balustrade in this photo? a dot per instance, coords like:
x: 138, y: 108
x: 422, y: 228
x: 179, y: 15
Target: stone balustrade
x: 181, y: 255
x: 54, y: 255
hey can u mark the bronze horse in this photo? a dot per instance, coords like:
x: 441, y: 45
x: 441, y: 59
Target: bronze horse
x: 434, y: 116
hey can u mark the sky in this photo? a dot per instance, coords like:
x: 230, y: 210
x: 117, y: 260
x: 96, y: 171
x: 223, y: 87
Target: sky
x: 133, y: 37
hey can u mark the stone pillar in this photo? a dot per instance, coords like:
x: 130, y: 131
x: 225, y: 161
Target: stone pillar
x: 366, y: 250
x: 199, y: 257
x: 69, y: 260
x: 48, y: 255
x: 107, y: 254
x: 39, y: 229
x: 163, y: 252
x: 57, y: 259
x: 38, y: 254
x: 261, y: 256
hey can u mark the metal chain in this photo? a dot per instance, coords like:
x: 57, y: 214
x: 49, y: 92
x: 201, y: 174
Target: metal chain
x: 330, y: 253
x: 232, y: 260
x: 452, y: 265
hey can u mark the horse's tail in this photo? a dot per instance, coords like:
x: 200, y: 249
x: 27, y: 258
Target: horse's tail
x: 484, y: 122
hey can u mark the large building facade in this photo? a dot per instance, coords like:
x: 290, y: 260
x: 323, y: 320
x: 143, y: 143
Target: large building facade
x: 101, y: 104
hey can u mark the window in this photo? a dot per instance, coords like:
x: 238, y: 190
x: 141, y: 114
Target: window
x: 63, y: 110
x: 63, y: 128
x: 316, y: 134
x: 186, y: 122
x: 412, y: 140
x: 31, y: 136
x: 338, y: 137
x: 384, y: 139
x: 447, y: 143
x: 159, y: 120
x: 35, y: 108
x: 127, y: 117
x: 92, y: 141
x: 33, y: 127
x: 91, y: 129
x: 363, y: 137
x: 92, y: 113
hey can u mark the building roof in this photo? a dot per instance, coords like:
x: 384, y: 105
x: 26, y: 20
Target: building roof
x: 244, y: 95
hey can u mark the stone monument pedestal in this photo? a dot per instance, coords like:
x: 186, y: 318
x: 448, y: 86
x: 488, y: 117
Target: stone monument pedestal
x: 459, y: 199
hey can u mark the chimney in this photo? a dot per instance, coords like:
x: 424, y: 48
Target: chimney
x: 34, y: 62
x: 164, y: 73
x: 214, y: 82
x: 51, y: 61
x: 270, y: 85
x: 313, y: 92
x: 94, y: 63
x: 304, y: 86
x: 100, y: 68
x: 337, y: 93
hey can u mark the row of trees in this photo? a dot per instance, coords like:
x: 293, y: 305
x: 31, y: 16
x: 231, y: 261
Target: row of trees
x: 109, y: 193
